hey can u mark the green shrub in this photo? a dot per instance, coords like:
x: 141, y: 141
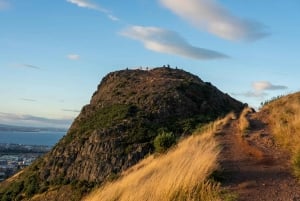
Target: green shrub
x: 164, y: 141
x: 12, y: 192
x: 31, y: 186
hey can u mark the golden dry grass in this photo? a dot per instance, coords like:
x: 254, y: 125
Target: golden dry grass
x: 244, y: 123
x: 179, y: 175
x: 284, y: 120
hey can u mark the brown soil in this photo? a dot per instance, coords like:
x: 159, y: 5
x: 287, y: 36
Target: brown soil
x: 254, y: 167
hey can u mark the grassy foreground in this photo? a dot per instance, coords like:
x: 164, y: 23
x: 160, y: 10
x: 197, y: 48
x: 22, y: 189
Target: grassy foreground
x: 181, y: 174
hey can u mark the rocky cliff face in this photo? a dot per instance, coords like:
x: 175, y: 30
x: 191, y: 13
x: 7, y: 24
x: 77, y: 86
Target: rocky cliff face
x: 125, y: 114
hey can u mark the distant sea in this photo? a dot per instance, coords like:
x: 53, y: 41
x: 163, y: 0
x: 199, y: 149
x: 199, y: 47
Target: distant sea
x: 47, y: 138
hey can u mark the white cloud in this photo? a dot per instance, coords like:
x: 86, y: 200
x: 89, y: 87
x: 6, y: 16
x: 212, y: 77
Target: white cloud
x: 73, y: 57
x: 265, y: 85
x: 166, y: 41
x: 4, y: 5
x: 113, y: 18
x: 87, y: 4
x: 91, y: 5
x: 211, y: 16
x: 260, y: 88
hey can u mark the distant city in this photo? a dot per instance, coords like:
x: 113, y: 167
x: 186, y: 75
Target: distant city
x: 15, y: 157
x: 20, y: 146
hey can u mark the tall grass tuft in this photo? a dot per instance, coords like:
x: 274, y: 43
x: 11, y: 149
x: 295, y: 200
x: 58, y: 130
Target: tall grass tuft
x: 179, y: 175
x: 244, y: 124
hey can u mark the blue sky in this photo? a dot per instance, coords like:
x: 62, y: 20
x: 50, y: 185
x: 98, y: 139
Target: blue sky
x: 54, y: 54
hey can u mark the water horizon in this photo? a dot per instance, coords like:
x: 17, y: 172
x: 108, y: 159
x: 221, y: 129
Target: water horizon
x: 45, y: 138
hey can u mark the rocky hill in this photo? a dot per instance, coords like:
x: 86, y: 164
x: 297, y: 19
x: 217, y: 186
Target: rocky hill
x: 116, y: 130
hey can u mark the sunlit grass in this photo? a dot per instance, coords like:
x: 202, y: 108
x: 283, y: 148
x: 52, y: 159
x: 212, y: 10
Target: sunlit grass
x: 244, y: 124
x: 284, y: 119
x: 181, y: 174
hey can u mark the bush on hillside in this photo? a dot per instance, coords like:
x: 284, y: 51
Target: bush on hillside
x: 164, y: 141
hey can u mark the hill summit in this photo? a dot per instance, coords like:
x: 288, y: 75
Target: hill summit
x: 117, y: 129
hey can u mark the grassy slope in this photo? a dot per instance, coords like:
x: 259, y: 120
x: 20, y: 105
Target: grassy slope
x: 181, y: 174
x: 284, y: 119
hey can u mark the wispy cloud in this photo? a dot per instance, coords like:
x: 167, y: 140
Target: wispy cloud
x: 170, y: 42
x: 4, y: 5
x: 252, y: 94
x: 71, y: 110
x: 211, y: 16
x: 88, y: 4
x: 265, y: 85
x: 25, y: 66
x: 113, y: 18
x: 73, y: 56
x: 31, y: 120
x: 94, y: 6
x: 260, y: 88
x: 30, y: 66
x: 28, y: 99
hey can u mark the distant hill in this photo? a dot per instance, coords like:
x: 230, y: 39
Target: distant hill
x: 5, y: 127
x: 117, y: 129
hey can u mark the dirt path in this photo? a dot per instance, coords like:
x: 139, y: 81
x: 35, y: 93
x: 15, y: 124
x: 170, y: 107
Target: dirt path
x: 254, y: 166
